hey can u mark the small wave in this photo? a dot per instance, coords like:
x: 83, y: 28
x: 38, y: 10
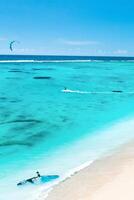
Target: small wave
x: 15, y: 61
x: 61, y: 61
x: 42, y: 61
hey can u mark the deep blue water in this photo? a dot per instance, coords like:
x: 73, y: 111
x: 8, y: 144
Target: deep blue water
x: 49, y: 57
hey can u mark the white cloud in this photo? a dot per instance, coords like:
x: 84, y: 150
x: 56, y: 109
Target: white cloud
x: 3, y: 38
x: 101, y: 52
x: 79, y: 42
x: 120, y: 52
x: 25, y: 50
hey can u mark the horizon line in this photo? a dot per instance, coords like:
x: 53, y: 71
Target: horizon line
x: 112, y: 56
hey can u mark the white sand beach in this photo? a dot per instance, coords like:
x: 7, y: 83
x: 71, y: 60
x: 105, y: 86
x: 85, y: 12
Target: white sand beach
x: 111, y: 178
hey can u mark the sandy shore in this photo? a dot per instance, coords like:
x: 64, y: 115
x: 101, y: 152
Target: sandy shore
x: 111, y: 178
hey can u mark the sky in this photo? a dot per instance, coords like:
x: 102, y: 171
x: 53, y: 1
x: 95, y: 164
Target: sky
x: 67, y: 27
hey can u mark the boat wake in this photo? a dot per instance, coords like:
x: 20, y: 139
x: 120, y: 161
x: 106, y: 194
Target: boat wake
x: 90, y: 92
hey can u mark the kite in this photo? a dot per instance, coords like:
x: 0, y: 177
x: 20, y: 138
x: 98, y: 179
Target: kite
x: 12, y: 44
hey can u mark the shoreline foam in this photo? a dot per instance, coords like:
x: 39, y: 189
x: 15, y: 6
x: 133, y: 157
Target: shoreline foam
x: 116, y: 128
x: 110, y: 167
x: 88, y: 164
x: 66, y: 176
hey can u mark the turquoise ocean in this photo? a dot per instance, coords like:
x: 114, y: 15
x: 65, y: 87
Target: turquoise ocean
x: 43, y: 128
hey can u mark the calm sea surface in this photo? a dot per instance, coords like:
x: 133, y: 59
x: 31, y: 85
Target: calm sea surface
x: 42, y: 127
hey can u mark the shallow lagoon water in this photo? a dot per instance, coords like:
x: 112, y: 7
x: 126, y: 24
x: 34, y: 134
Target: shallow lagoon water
x: 42, y: 128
